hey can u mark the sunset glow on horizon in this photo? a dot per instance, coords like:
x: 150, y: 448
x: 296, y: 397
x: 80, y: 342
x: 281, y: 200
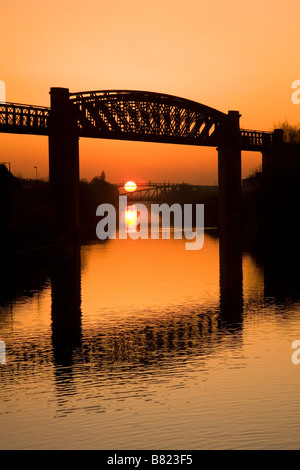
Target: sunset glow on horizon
x: 226, y: 55
x: 147, y: 151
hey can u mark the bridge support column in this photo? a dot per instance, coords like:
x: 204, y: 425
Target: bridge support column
x: 230, y: 192
x: 64, y: 164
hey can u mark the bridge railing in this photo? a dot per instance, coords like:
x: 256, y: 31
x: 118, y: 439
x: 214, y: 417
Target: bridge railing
x: 24, y: 119
x: 256, y: 140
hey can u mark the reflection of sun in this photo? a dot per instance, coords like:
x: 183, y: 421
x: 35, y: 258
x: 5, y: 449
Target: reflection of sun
x: 131, y: 215
x: 130, y: 186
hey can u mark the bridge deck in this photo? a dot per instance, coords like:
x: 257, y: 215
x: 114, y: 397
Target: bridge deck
x: 189, y: 128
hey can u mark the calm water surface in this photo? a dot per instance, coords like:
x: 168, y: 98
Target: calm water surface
x: 125, y: 347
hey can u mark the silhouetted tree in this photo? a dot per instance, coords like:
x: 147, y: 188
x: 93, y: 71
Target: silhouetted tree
x: 291, y: 132
x: 92, y: 194
x: 6, y: 177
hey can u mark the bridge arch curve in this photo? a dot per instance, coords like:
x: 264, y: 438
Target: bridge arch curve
x: 145, y: 116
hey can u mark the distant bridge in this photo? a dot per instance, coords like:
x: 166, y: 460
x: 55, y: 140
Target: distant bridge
x: 161, y: 191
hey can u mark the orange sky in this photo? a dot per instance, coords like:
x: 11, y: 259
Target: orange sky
x: 229, y: 54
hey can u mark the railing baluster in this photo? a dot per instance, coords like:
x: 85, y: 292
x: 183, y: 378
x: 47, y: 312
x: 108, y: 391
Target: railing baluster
x: 24, y: 119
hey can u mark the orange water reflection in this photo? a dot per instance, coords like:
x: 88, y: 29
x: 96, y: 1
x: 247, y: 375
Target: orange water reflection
x: 131, y: 217
x: 153, y: 353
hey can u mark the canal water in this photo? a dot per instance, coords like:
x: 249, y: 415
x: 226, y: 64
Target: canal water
x: 123, y: 345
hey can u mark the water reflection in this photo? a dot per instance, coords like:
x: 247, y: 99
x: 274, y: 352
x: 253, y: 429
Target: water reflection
x: 142, y: 336
x: 131, y: 218
x: 66, y: 302
x: 23, y: 276
x: 282, y: 271
x: 231, y: 277
x: 148, y: 336
x: 138, y: 312
x: 174, y: 329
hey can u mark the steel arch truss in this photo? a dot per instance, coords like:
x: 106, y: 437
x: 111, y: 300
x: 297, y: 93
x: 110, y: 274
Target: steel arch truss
x: 145, y: 116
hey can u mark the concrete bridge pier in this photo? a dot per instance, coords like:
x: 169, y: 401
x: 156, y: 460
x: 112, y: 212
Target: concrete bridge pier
x: 230, y: 192
x: 64, y: 164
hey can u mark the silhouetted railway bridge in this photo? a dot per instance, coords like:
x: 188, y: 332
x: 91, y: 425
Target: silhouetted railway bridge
x: 149, y: 117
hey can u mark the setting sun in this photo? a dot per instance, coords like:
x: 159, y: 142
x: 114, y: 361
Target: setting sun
x: 130, y: 186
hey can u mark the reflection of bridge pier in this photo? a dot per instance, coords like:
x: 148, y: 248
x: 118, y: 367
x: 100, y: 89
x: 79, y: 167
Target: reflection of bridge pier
x: 66, y: 317
x: 231, y: 277
x: 66, y: 302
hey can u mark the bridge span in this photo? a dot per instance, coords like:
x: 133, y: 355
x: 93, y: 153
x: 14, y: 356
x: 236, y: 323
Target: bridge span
x: 101, y: 119
x: 164, y: 191
x: 135, y: 115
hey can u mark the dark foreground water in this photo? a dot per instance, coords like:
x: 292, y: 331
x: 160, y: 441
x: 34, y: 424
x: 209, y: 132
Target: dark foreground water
x: 125, y: 347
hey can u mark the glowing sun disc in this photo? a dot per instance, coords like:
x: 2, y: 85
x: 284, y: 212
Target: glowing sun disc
x: 130, y: 186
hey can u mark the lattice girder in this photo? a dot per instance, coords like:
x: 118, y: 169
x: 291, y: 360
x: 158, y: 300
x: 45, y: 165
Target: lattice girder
x: 137, y: 115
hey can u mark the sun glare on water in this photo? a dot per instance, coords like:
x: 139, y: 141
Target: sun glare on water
x: 131, y: 211
x: 131, y: 218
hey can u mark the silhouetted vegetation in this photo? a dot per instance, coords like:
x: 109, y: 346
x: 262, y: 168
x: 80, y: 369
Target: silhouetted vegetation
x: 98, y: 191
x: 271, y: 199
x: 291, y: 132
x: 269, y: 202
x: 28, y: 213
x: 207, y: 195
